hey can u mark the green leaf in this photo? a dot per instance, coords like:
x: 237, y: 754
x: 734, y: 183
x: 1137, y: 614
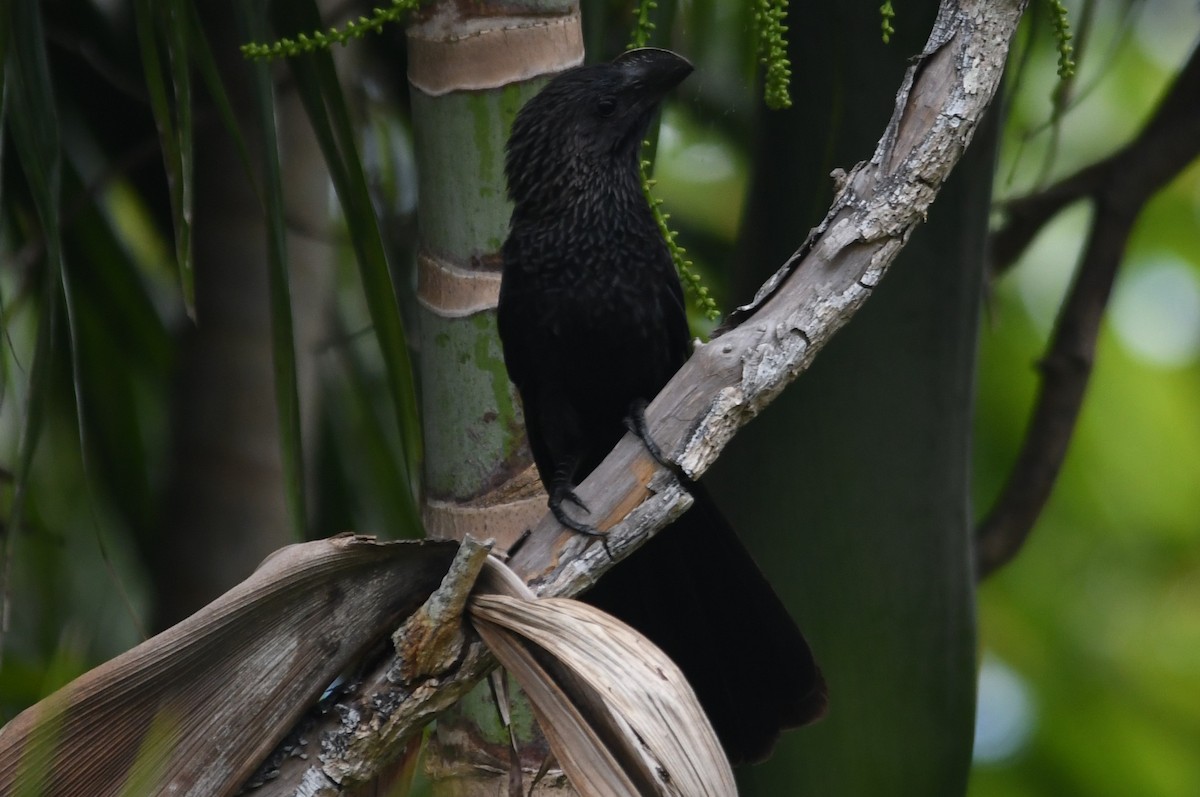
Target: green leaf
x: 363, y: 444
x: 34, y: 126
x: 30, y: 431
x: 206, y: 64
x: 176, y: 20
x: 252, y: 21
x: 321, y: 94
x: 33, y: 121
x: 173, y: 116
x: 5, y: 31
x: 125, y: 356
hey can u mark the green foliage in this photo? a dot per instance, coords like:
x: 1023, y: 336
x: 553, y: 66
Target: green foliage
x: 643, y: 26
x: 769, y: 32
x: 30, y: 114
x: 887, y: 14
x: 1062, y: 32
x: 94, y: 300
x: 692, y: 281
x: 329, y: 113
x: 79, y: 450
x: 287, y: 47
x: 1096, y: 617
x: 252, y: 18
x: 163, y: 29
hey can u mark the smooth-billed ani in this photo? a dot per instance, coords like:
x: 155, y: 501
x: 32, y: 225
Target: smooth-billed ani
x: 593, y: 325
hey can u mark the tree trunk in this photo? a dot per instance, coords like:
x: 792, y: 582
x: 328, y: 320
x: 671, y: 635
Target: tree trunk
x: 224, y: 509
x: 466, y: 89
x: 853, y: 487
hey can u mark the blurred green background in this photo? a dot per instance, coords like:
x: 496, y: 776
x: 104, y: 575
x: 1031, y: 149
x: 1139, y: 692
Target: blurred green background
x: 1089, y: 642
x: 1090, y: 639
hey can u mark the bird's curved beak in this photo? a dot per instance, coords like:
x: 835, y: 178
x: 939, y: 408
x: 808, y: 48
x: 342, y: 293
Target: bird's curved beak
x: 654, y: 69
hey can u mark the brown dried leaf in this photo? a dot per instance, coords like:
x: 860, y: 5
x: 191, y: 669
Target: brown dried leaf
x: 618, y: 714
x: 193, y: 710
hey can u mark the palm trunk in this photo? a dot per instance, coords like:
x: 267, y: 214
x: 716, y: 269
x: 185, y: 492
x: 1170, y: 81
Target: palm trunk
x: 470, y: 71
x: 854, y: 488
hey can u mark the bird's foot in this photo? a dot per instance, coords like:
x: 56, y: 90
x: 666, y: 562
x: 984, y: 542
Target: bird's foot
x: 557, y: 500
x: 564, y: 494
x: 636, y: 423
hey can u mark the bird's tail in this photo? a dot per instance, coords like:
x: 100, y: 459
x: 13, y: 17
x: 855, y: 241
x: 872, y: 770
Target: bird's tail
x: 695, y: 591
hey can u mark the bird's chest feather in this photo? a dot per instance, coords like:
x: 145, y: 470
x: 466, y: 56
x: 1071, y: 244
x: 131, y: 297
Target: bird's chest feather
x: 589, y: 285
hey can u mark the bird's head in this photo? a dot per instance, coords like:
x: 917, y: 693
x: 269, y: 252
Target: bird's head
x: 589, y: 117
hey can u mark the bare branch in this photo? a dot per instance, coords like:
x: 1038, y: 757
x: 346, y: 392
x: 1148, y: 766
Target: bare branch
x: 728, y: 381
x: 1119, y: 187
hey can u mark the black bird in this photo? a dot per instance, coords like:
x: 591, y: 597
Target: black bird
x: 593, y: 325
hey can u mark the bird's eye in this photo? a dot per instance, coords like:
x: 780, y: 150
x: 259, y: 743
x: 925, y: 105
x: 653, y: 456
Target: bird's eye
x: 605, y: 106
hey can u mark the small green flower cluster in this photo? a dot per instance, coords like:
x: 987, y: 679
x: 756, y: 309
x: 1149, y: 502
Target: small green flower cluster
x: 887, y: 13
x: 1062, y: 31
x: 643, y: 26
x: 772, y: 51
x: 687, y: 274
x: 324, y: 40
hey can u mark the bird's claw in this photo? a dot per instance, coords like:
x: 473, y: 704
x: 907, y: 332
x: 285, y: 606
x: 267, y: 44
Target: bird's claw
x: 579, y: 527
x: 636, y: 423
x: 560, y: 514
x: 573, y: 497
